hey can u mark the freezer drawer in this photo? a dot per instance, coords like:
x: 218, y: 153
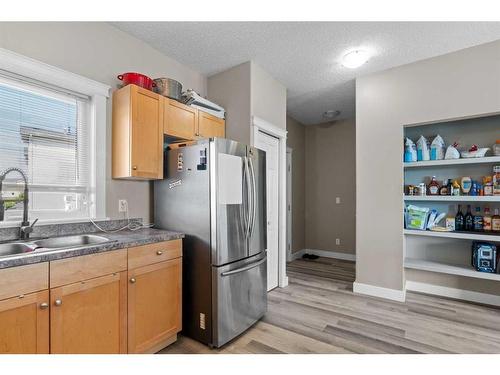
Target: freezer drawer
x: 240, y: 295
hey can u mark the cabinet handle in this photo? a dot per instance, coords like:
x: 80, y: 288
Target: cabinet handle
x: 58, y: 302
x: 44, y: 305
x: 159, y: 252
x: 134, y: 167
x: 132, y: 280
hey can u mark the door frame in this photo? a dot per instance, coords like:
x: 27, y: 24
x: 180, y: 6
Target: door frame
x: 260, y: 125
x: 289, y: 218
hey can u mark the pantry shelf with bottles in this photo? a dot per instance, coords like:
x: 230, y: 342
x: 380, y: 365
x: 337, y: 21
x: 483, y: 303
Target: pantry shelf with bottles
x: 465, y: 182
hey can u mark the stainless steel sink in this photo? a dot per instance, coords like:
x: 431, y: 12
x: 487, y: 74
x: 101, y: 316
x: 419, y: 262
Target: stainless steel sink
x: 70, y: 241
x: 14, y: 248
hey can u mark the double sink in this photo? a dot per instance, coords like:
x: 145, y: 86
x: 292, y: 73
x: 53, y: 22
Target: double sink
x: 47, y: 244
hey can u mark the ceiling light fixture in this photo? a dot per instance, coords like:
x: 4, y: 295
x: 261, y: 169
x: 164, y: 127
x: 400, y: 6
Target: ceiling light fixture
x: 355, y: 59
x: 331, y: 114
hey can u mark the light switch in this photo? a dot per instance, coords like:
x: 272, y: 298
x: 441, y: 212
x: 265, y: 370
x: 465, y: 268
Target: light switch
x: 337, y: 200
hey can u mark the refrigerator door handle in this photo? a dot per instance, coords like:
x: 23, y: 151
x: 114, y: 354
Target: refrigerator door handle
x: 243, y: 269
x: 247, y: 180
x: 254, y: 197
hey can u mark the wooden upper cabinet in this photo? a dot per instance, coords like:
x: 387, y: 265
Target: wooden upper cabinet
x: 154, y: 306
x: 24, y: 324
x: 90, y: 317
x: 210, y: 126
x: 180, y: 120
x: 137, y: 134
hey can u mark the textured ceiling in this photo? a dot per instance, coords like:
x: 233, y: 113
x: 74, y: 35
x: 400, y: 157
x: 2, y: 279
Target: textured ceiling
x: 305, y: 56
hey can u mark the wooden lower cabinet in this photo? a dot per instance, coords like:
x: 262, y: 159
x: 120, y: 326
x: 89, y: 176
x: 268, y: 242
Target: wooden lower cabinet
x: 90, y: 316
x: 154, y: 306
x: 24, y: 324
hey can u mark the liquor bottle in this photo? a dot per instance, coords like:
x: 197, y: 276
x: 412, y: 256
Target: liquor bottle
x: 469, y: 219
x: 478, y: 220
x: 433, y: 187
x: 495, y: 222
x: 459, y: 220
x: 487, y: 220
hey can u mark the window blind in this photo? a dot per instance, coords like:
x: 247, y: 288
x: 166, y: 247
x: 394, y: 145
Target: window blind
x: 45, y: 133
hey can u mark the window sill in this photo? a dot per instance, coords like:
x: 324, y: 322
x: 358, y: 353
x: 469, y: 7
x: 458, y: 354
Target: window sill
x: 17, y: 224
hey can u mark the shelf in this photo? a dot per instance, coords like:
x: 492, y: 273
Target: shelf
x: 449, y: 198
x: 436, y: 163
x: 456, y: 235
x: 451, y: 269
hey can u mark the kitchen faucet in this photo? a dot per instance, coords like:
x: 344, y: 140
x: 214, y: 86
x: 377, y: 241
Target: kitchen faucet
x: 26, y: 228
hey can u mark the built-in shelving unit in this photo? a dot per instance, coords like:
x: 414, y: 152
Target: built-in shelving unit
x: 449, y: 253
x: 447, y: 198
x: 453, y: 162
x: 450, y: 269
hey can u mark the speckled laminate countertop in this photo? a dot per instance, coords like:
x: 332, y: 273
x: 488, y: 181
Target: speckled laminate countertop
x: 120, y: 240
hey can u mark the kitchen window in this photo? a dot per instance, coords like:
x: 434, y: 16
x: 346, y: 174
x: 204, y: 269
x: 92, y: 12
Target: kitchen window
x: 49, y: 132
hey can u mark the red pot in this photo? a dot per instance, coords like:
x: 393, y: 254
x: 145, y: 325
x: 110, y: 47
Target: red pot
x: 137, y: 79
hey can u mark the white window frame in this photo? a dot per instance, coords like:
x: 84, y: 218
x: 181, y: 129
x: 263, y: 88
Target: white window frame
x: 14, y: 63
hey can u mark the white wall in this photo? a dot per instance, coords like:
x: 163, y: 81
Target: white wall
x: 100, y: 51
x: 455, y: 85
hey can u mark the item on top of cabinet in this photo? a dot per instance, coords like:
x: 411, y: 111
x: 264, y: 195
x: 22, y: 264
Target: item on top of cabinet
x: 484, y: 256
x: 136, y: 79
x: 433, y: 187
x: 437, y: 148
x: 423, y: 152
x: 452, y: 152
x: 416, y: 217
x: 168, y: 87
x: 475, y: 152
x: 496, y: 148
x: 495, y: 222
x: 192, y: 98
x: 466, y: 185
x: 410, y: 151
x: 487, y: 220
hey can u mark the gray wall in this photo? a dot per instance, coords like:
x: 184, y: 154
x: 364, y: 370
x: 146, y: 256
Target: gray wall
x: 100, y: 52
x: 459, y: 84
x: 331, y: 172
x: 297, y: 141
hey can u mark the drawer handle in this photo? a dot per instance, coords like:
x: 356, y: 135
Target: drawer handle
x: 58, y: 302
x: 134, y: 167
x: 44, y: 305
x: 132, y: 280
x: 159, y: 252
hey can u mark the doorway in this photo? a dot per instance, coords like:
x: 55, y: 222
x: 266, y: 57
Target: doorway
x: 270, y: 145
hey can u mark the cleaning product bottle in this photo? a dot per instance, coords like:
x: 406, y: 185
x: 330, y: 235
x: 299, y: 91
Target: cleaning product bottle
x: 459, y: 220
x: 469, y: 219
x: 487, y: 220
x: 495, y: 222
x: 478, y: 220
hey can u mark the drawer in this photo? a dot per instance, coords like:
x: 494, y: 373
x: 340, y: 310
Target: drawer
x: 24, y: 279
x: 154, y: 253
x: 72, y: 270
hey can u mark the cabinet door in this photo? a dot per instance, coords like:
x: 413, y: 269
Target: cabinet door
x: 210, y: 126
x: 90, y: 316
x: 147, y: 134
x: 180, y: 120
x: 24, y: 324
x: 154, y: 306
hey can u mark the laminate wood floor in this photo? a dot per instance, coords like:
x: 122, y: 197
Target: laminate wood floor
x: 318, y: 313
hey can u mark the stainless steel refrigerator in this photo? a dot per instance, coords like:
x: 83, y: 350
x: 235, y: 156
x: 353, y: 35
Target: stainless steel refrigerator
x: 215, y: 193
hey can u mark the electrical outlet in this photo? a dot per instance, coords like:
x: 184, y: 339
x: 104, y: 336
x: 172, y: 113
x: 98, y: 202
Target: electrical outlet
x: 337, y: 241
x: 337, y: 200
x: 122, y: 205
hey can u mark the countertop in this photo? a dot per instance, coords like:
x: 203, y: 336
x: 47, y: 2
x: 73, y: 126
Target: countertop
x: 120, y: 240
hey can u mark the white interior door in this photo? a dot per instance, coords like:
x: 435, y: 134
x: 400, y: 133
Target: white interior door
x: 271, y: 146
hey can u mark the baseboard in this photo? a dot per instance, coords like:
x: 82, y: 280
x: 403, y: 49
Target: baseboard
x: 378, y: 291
x: 466, y: 295
x: 325, y: 254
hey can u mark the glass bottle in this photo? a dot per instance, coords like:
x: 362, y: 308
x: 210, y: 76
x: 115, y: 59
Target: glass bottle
x: 495, y: 222
x: 478, y: 220
x: 459, y: 220
x: 433, y: 187
x: 469, y: 219
x: 487, y: 220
